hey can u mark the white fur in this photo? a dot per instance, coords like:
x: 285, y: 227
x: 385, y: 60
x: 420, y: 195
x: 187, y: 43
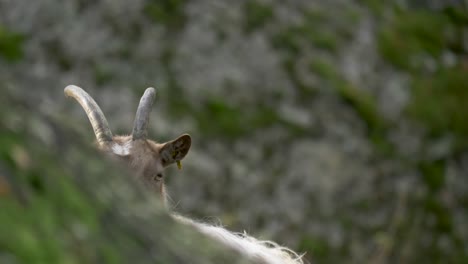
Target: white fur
x: 122, y: 150
x: 264, y: 252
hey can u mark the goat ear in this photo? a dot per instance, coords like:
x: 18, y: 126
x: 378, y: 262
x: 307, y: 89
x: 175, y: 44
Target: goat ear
x: 175, y: 150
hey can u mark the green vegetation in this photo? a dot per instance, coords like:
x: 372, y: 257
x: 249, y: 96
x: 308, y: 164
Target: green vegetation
x: 257, y: 15
x: 288, y: 40
x: 316, y: 249
x: 366, y: 107
x: 439, y: 96
x: 308, y: 92
x: 218, y: 118
x: 319, y: 30
x: 11, y: 45
x: 433, y: 174
x: 439, y: 101
x: 412, y: 35
x: 324, y: 69
x: 32, y: 236
x: 102, y: 75
x: 291, y: 39
x: 443, y: 222
x: 167, y: 12
x: 439, y: 92
x: 39, y: 205
x: 376, y: 6
x: 323, y: 39
x: 363, y: 103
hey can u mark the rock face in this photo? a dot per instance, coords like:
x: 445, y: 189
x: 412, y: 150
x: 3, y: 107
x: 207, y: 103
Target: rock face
x: 336, y: 128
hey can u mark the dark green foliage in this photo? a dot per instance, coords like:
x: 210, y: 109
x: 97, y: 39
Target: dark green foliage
x: 411, y: 35
x: 288, y: 40
x: 433, y: 174
x: 291, y: 39
x: 365, y: 106
x: 219, y: 118
x: 323, y: 39
x: 375, y: 6
x: 11, y: 45
x: 443, y: 218
x: 458, y: 16
x: 361, y: 100
x: 324, y: 69
x: 308, y: 92
x: 363, y: 103
x: 319, y: 30
x: 102, y: 75
x: 226, y: 118
x: 257, y: 15
x: 439, y: 101
x: 317, y: 249
x: 166, y: 12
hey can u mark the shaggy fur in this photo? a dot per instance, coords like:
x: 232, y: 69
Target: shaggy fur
x: 261, y: 252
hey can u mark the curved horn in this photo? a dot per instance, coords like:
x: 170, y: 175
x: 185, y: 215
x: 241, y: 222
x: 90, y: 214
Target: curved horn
x: 140, y: 125
x: 94, y: 113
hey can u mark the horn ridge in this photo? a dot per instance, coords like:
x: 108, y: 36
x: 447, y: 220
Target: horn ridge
x: 94, y: 113
x: 140, y: 126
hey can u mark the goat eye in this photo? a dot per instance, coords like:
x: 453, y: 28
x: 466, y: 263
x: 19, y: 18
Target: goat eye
x: 159, y: 176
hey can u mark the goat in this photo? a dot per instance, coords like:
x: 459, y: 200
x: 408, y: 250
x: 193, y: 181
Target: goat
x: 147, y: 158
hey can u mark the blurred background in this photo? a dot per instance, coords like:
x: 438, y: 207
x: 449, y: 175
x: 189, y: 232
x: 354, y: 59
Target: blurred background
x: 336, y: 128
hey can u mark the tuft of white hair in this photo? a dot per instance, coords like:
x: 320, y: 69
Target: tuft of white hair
x: 122, y: 149
x: 259, y: 251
